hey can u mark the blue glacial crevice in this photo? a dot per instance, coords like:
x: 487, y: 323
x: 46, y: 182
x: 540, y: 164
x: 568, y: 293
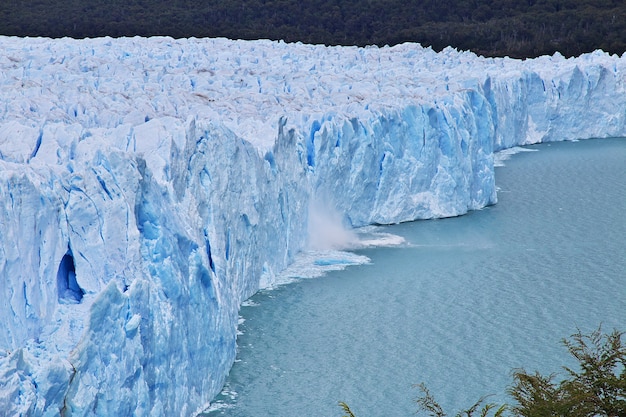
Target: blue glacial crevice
x: 68, y: 289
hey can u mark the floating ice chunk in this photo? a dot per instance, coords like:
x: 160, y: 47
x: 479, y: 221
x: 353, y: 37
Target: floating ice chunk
x: 503, y: 155
x: 313, y: 264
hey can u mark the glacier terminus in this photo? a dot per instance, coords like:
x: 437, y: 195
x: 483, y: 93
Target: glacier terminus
x: 149, y: 186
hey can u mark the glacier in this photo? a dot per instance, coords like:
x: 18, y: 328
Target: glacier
x: 149, y: 186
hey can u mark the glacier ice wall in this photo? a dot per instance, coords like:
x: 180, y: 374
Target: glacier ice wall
x: 149, y: 186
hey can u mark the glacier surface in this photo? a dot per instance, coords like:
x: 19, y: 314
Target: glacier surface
x: 149, y: 186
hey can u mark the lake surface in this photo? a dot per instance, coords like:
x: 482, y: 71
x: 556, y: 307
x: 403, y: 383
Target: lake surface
x: 463, y: 302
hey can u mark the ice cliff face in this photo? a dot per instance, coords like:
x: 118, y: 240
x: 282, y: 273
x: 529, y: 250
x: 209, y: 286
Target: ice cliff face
x: 149, y: 186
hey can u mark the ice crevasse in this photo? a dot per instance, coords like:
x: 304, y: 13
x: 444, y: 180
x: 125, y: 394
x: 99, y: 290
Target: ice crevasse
x: 149, y: 186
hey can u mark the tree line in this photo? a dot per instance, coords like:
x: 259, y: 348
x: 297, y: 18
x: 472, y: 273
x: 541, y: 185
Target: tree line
x: 515, y: 28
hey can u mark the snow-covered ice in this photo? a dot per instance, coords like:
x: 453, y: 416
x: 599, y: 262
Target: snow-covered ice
x: 149, y: 186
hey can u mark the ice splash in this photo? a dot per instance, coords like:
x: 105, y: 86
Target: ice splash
x: 331, y: 247
x: 505, y: 154
x: 375, y: 237
x: 326, y: 228
x: 328, y: 231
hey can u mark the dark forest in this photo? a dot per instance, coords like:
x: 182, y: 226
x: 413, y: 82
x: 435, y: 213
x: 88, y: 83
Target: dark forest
x: 515, y: 28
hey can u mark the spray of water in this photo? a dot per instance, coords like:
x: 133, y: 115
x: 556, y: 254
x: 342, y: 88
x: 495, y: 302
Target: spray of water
x: 327, y: 230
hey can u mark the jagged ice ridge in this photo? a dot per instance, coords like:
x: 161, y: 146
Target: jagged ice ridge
x: 149, y: 186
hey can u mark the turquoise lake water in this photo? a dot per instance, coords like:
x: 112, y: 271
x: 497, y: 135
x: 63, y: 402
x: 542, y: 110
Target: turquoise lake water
x: 462, y: 303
